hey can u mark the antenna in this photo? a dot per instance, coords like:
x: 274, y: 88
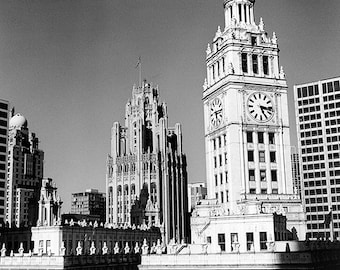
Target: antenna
x: 139, y: 66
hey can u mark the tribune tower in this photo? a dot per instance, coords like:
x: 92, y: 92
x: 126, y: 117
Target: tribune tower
x: 146, y: 168
x: 247, y: 139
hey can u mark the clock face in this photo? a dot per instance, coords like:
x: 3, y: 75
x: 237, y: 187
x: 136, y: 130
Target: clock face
x: 260, y: 107
x: 216, y: 112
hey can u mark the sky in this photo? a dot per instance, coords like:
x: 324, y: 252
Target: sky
x: 69, y: 66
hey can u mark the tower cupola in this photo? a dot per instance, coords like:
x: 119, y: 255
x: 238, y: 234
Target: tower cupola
x: 239, y: 12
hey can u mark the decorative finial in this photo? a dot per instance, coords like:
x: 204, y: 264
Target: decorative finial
x: 274, y: 39
x: 205, y: 85
x: 282, y: 73
x: 261, y: 25
x: 208, y: 49
x: 218, y: 33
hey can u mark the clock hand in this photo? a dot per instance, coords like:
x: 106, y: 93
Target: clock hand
x: 266, y: 108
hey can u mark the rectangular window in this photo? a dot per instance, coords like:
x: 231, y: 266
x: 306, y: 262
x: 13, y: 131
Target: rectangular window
x: 216, y: 181
x: 252, y: 191
x: 221, y: 178
x: 227, y: 195
x: 215, y: 162
x: 263, y: 175
x: 250, y: 241
x: 222, y: 197
x: 220, y: 158
x: 249, y: 137
x: 250, y: 155
x: 262, y: 156
x: 253, y: 40
x: 214, y: 143
x: 260, y: 137
x: 234, y: 240
x: 226, y: 177
x: 272, y: 157
x: 263, y: 240
x: 221, y: 241
x: 3, y: 106
x: 265, y: 65
x: 251, y: 175
x: 275, y: 191
x: 274, y: 175
x: 263, y: 191
x: 271, y: 136
x: 219, y: 142
x: 255, y: 64
x: 244, y: 62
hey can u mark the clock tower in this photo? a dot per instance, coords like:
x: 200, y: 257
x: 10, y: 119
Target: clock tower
x: 247, y: 139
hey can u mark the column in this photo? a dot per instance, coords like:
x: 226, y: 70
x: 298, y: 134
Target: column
x: 236, y: 14
x: 257, y: 163
x: 226, y: 17
x: 268, y: 167
x: 247, y: 14
x: 242, y: 19
x: 252, y: 14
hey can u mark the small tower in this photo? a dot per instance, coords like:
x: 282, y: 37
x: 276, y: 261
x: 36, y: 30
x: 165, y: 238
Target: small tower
x: 49, y: 204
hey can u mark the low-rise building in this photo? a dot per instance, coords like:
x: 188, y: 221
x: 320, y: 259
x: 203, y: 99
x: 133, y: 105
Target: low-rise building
x: 91, y: 203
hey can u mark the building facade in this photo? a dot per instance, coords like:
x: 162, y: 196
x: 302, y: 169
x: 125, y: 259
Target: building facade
x: 296, y: 173
x: 25, y: 173
x: 4, y: 117
x: 146, y: 168
x: 318, y: 126
x: 91, y: 202
x: 247, y: 139
x: 197, y: 191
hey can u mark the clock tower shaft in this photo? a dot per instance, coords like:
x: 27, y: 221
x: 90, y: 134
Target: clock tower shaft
x: 248, y: 155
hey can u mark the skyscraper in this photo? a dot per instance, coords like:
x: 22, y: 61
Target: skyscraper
x: 25, y: 173
x: 4, y: 115
x: 146, y: 169
x: 246, y: 122
x: 317, y: 106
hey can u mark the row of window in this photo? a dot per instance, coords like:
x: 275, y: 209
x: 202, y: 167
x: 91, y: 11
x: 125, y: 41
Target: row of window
x: 317, y: 191
x: 309, y: 91
x: 310, y: 117
x: 263, y: 191
x: 263, y: 177
x: 221, y: 178
x: 314, y: 166
x: 312, y: 175
x: 221, y: 240
x: 221, y: 198
x: 310, y: 150
x: 320, y: 208
x: 220, y: 160
x: 332, y: 105
x: 317, y: 183
x: 313, y: 158
x: 262, y: 156
x: 255, y: 63
x: 220, y: 141
x: 330, y: 87
x: 310, y: 125
x: 311, y: 141
x: 311, y: 109
x: 317, y: 200
x: 260, y: 137
x: 309, y: 101
x: 311, y: 133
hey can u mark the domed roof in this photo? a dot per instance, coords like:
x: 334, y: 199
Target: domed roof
x: 18, y: 121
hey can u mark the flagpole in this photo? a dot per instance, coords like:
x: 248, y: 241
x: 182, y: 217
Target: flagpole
x: 140, y: 71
